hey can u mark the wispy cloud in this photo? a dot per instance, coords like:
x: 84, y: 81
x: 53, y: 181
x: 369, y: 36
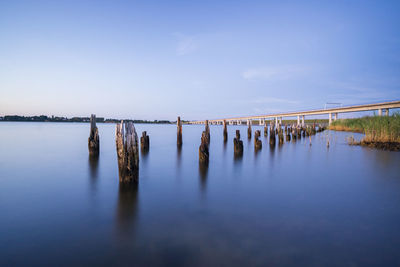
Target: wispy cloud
x: 356, y: 93
x: 266, y: 110
x: 271, y: 100
x: 186, y: 44
x: 275, y: 72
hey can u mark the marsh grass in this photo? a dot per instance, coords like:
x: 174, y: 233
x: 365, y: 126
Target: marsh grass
x: 381, y: 129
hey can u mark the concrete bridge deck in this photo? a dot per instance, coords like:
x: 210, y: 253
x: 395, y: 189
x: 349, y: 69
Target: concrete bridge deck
x: 382, y: 106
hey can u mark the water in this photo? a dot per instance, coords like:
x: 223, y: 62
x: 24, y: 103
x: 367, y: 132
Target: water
x: 289, y: 206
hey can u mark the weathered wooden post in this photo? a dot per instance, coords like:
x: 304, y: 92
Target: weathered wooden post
x: 249, y: 129
x: 294, y: 134
x: 225, y: 132
x: 257, y: 142
x: 93, y: 141
x: 288, y: 130
x: 203, y: 149
x: 179, y: 134
x: 265, y: 130
x: 144, y: 141
x: 272, y: 135
x: 280, y: 136
x: 207, y: 130
x: 237, y: 144
x: 127, y: 152
x: 298, y: 132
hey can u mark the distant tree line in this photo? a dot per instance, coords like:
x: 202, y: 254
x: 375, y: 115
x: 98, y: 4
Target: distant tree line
x: 44, y: 118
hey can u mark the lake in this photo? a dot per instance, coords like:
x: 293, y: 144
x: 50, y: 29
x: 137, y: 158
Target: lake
x: 292, y: 205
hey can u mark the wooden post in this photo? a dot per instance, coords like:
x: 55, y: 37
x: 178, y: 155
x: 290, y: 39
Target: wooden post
x: 257, y: 142
x: 93, y: 141
x: 127, y: 152
x: 237, y: 144
x: 288, y: 130
x: 249, y: 129
x: 203, y: 149
x: 179, y: 134
x: 272, y: 135
x: 207, y: 130
x: 280, y: 136
x: 294, y: 134
x: 144, y: 142
x: 225, y: 132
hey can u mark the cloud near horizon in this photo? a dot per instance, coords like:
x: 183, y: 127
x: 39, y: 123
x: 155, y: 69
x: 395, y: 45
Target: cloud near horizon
x: 275, y: 72
x: 270, y: 100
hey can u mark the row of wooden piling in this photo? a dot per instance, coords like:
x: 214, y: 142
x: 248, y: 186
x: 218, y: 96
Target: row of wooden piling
x: 279, y: 133
x: 127, y: 144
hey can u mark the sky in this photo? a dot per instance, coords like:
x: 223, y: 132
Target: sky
x: 195, y: 59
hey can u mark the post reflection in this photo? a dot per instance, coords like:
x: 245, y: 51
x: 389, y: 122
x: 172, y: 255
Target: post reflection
x: 203, y: 173
x: 127, y: 207
x: 93, y: 169
x: 144, y: 155
x: 225, y: 145
x: 178, y: 155
x: 272, y: 150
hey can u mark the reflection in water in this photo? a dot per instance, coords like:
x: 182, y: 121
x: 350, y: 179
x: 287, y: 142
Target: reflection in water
x: 272, y: 150
x: 280, y: 146
x: 93, y: 169
x: 224, y: 147
x: 145, y: 155
x: 203, y: 172
x: 127, y: 206
x: 237, y: 158
x: 178, y: 155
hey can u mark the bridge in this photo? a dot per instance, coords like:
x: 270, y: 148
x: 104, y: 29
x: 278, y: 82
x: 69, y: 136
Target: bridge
x: 331, y: 112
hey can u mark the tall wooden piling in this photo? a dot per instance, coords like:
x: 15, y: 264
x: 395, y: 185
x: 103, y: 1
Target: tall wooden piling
x: 237, y: 144
x: 179, y: 133
x: 144, y: 141
x: 93, y: 141
x: 207, y: 130
x: 298, y: 132
x: 288, y: 130
x: 225, y: 132
x: 294, y: 134
x: 127, y: 152
x: 280, y: 136
x: 257, y: 142
x: 249, y: 129
x: 272, y: 132
x: 204, y: 149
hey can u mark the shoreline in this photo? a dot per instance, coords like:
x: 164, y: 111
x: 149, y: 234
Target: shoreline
x: 379, y: 132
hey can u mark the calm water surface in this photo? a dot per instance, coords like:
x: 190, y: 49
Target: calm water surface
x: 293, y: 205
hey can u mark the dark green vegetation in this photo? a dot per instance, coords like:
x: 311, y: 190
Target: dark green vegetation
x: 43, y: 118
x: 380, y: 131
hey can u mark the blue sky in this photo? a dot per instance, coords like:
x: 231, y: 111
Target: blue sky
x: 196, y: 59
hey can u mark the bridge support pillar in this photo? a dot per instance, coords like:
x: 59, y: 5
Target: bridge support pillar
x: 280, y: 120
x: 298, y: 119
x: 330, y: 118
x: 380, y: 112
x: 276, y: 121
x: 335, y: 116
x: 387, y: 112
x: 302, y: 121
